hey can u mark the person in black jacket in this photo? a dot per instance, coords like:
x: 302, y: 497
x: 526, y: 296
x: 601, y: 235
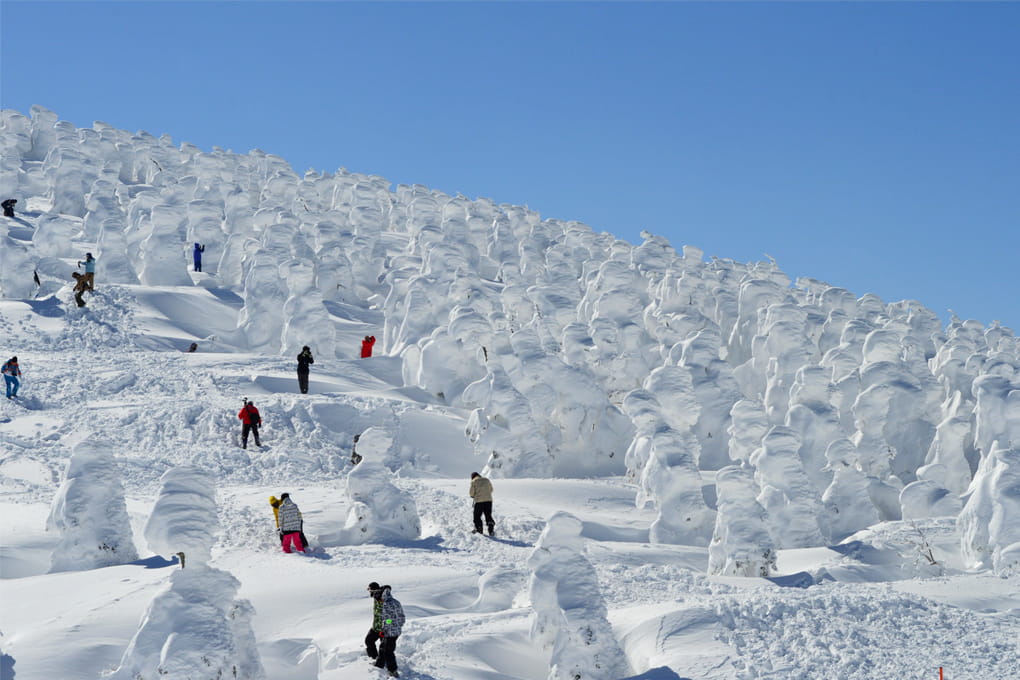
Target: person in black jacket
x: 304, y: 360
x: 8, y: 206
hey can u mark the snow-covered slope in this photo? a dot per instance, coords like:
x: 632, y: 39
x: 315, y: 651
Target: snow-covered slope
x: 599, y: 383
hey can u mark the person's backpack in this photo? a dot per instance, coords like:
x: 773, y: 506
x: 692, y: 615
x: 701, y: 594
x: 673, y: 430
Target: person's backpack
x: 253, y: 415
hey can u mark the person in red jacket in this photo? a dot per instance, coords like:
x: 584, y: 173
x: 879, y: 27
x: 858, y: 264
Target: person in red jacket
x: 250, y: 420
x: 366, y: 346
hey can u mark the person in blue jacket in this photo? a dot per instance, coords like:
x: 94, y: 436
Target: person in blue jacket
x: 11, y: 371
x: 199, y: 249
x: 90, y: 271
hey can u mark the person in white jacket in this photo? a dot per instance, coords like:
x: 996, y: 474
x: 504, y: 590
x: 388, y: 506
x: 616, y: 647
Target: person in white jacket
x: 290, y: 524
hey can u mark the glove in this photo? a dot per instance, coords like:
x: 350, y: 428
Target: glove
x: 381, y: 634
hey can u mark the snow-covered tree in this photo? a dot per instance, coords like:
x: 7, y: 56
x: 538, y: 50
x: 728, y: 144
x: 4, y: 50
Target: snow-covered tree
x: 795, y: 515
x: 380, y: 512
x: 847, y: 501
x: 989, y: 524
x: 90, y: 513
x: 195, y: 628
x: 570, y: 615
x: 184, y: 518
x: 741, y: 544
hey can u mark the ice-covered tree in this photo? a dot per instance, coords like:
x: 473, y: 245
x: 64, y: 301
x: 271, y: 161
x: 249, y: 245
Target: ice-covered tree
x: 195, y: 628
x: 570, y: 615
x: 989, y: 524
x: 953, y: 446
x: 847, y: 501
x: 795, y: 515
x: 184, y: 518
x: 90, y: 513
x: 503, y: 428
x: 380, y: 512
x: 748, y: 426
x: 741, y: 544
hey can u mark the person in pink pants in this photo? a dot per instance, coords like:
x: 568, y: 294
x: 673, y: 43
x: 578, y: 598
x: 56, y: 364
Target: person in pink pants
x: 290, y: 524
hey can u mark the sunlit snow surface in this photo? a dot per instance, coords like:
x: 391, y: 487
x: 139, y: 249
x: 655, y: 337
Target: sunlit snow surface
x: 600, y: 383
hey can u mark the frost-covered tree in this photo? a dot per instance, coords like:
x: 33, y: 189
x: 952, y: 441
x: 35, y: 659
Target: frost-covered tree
x: 162, y: 257
x: 748, y: 426
x: 570, y: 615
x: 815, y: 420
x: 305, y: 319
x: 741, y: 544
x: 184, y: 518
x: 665, y: 462
x: 716, y: 391
x: 380, y: 512
x: 795, y: 515
x: 847, y: 501
x: 953, y: 446
x: 503, y: 428
x: 195, y: 628
x: 90, y: 513
x: 989, y: 524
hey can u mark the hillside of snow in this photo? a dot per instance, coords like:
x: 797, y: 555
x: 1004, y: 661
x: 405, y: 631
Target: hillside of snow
x: 702, y: 469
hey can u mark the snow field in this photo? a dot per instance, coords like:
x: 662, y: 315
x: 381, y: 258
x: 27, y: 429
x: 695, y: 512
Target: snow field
x: 862, y: 449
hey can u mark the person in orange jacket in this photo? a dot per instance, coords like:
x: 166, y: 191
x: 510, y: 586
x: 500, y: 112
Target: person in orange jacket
x: 250, y: 420
x: 366, y: 346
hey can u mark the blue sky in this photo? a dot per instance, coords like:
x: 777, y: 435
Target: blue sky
x: 875, y: 146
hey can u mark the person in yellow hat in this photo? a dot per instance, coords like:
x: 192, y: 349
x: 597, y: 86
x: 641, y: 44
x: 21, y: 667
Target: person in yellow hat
x: 275, y: 503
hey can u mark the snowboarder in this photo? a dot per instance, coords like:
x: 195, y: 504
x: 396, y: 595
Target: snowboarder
x: 366, y: 346
x: 387, y: 622
x: 304, y: 360
x: 355, y: 456
x: 481, y: 492
x: 291, y: 524
x: 80, y: 286
x: 251, y: 420
x: 90, y: 270
x: 11, y: 371
x: 193, y: 347
x: 8, y: 206
x: 199, y: 249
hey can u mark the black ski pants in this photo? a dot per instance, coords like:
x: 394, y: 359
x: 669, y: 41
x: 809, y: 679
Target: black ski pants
x: 302, y: 381
x: 370, y: 639
x: 484, y: 508
x: 387, y: 653
x: 245, y: 429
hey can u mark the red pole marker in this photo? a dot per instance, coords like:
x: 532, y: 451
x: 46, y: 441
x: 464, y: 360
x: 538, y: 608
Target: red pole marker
x: 940, y: 672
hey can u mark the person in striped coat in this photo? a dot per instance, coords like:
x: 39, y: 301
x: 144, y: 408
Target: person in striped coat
x: 387, y: 624
x: 290, y: 524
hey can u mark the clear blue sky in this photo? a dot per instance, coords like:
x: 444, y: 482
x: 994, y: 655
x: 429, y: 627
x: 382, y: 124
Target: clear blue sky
x: 875, y: 145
